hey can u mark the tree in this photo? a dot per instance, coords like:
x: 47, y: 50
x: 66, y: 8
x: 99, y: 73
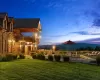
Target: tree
x: 89, y: 48
x: 97, y: 48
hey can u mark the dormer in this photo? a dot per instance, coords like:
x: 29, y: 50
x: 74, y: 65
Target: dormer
x: 3, y: 20
x: 10, y: 24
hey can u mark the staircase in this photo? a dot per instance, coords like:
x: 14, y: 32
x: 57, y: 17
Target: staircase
x: 28, y: 57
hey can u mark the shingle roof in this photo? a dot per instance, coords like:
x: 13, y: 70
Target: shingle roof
x: 2, y: 15
x: 26, y: 23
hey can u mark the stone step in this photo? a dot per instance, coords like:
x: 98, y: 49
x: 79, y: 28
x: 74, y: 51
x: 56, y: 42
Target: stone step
x: 28, y: 57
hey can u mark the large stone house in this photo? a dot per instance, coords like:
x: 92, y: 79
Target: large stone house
x: 11, y: 38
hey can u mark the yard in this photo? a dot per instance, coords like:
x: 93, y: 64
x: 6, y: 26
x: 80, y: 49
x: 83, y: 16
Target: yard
x: 28, y: 69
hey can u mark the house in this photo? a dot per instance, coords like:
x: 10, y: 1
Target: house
x: 11, y: 38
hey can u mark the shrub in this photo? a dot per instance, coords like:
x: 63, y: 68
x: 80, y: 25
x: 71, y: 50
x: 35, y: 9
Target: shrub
x: 40, y: 56
x: 66, y: 58
x: 34, y: 56
x: 8, y: 57
x: 0, y: 58
x: 14, y: 56
x: 4, y: 58
x: 57, y: 57
x: 98, y: 60
x: 21, y: 56
x: 50, y: 57
x: 32, y: 53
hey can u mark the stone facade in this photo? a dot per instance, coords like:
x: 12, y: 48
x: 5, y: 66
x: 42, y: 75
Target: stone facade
x: 11, y: 38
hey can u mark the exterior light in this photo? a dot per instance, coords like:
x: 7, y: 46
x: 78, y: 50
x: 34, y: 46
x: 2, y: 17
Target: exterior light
x: 20, y: 46
x: 28, y: 43
x: 35, y: 34
x: 39, y: 37
x: 9, y: 40
x: 53, y: 47
x: 35, y: 45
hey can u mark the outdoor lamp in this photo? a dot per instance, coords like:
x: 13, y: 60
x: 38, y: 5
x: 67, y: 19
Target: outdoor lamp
x: 35, y: 45
x: 35, y: 34
x: 53, y: 47
x: 28, y: 43
x: 39, y: 37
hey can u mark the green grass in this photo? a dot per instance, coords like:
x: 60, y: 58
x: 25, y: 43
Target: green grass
x: 28, y: 69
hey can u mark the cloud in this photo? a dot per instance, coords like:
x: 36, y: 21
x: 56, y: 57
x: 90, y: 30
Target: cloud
x: 96, y: 22
x: 86, y: 33
x: 54, y: 4
x: 81, y: 33
x: 56, y: 35
x: 30, y: 1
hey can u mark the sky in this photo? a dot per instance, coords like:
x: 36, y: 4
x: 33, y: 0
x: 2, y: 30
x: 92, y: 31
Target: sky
x: 61, y: 20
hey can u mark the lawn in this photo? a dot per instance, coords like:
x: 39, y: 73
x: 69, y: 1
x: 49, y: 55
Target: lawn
x: 28, y: 69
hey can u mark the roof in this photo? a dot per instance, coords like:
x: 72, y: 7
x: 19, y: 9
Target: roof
x: 3, y: 14
x: 26, y: 22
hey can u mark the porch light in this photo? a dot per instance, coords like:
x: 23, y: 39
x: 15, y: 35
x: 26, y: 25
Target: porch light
x: 35, y: 34
x: 11, y: 40
x: 35, y: 45
x: 53, y: 47
x: 28, y: 43
x: 39, y: 37
x: 20, y: 46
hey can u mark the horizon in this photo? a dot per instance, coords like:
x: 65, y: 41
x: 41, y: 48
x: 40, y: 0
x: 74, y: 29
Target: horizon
x: 61, y: 20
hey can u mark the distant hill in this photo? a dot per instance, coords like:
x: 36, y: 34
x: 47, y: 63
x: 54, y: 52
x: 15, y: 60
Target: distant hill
x: 63, y: 46
x: 75, y: 46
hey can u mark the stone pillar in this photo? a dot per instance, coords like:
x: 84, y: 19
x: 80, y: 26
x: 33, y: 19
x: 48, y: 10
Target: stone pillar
x: 31, y: 47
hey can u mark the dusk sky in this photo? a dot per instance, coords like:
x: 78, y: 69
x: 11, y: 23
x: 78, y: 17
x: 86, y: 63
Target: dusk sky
x: 61, y: 20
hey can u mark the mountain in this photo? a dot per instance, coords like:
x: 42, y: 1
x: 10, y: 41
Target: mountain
x: 69, y: 45
x: 76, y: 46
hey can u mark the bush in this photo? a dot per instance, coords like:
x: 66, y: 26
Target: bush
x: 40, y: 56
x: 0, y: 58
x: 32, y: 53
x: 34, y: 56
x: 98, y: 60
x: 8, y: 57
x: 21, y: 56
x: 57, y: 57
x: 14, y: 57
x: 66, y: 58
x: 50, y: 57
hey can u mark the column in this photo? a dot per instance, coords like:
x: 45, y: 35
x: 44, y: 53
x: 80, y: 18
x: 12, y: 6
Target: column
x: 31, y: 47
